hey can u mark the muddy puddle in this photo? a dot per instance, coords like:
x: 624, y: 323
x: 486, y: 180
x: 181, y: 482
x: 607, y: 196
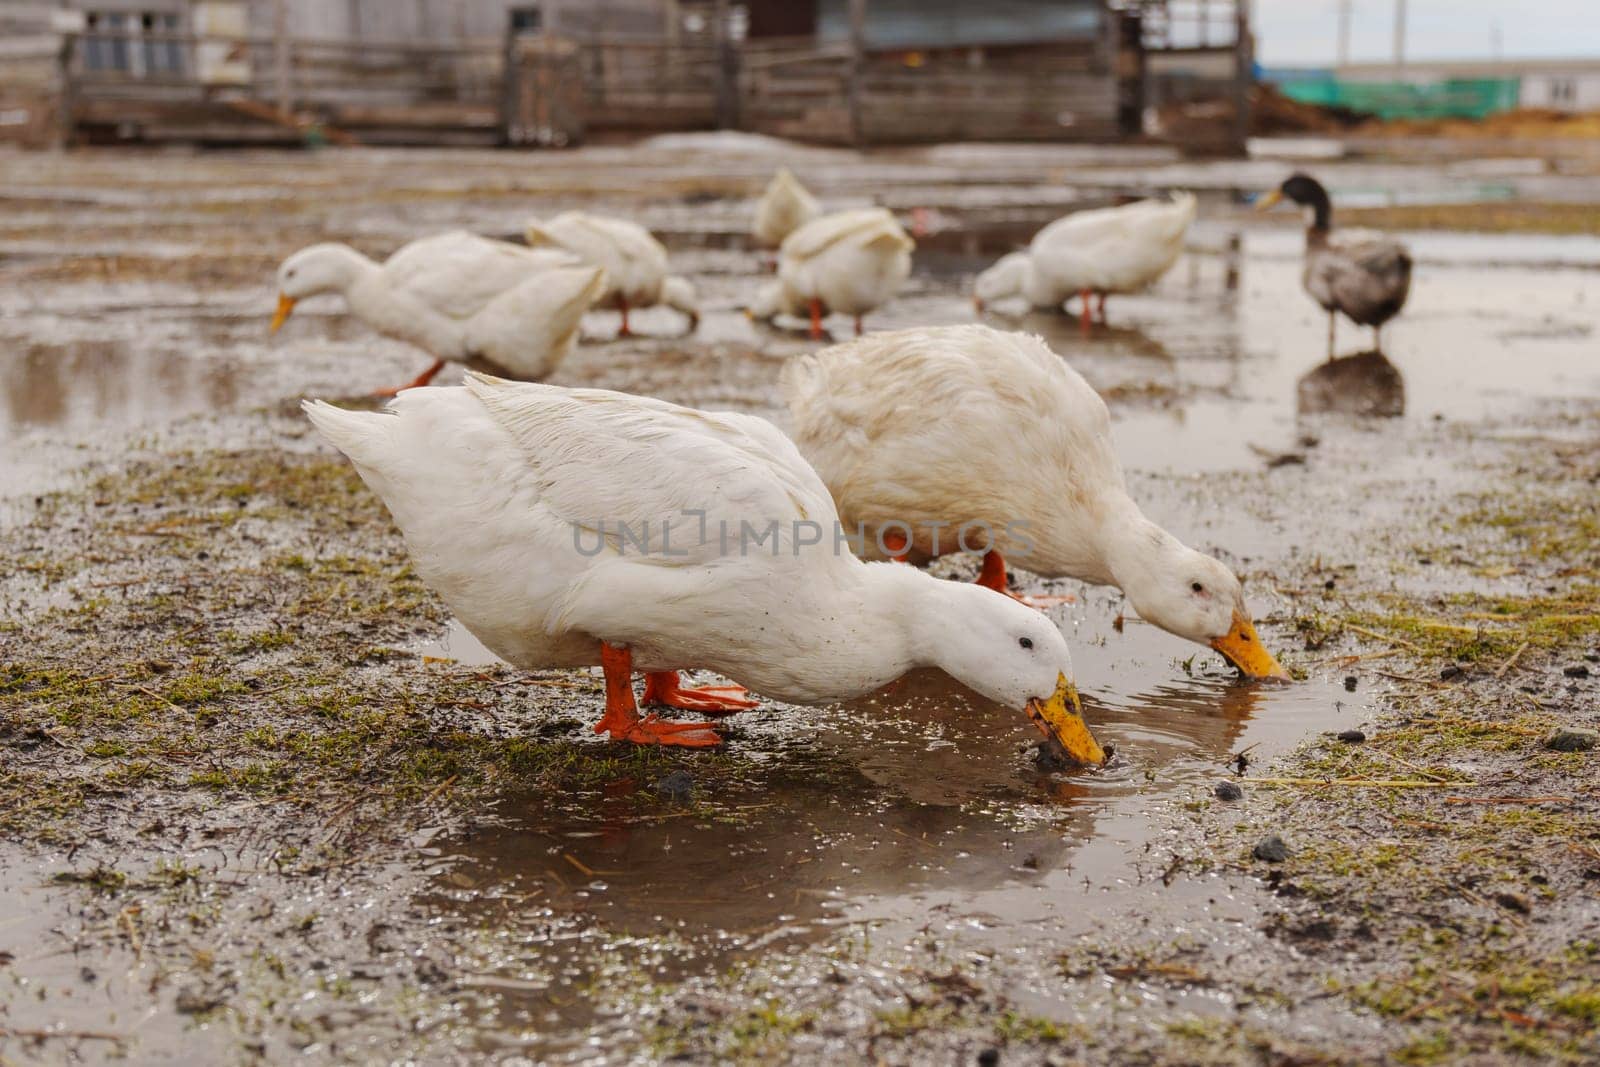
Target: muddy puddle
x: 924, y: 803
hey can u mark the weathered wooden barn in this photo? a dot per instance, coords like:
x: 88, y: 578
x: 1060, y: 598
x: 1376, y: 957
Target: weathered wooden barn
x: 558, y: 71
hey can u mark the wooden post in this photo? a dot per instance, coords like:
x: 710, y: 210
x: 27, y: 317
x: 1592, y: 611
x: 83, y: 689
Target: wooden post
x: 727, y: 70
x: 1243, y: 76
x: 858, y: 56
x: 66, y: 102
x: 281, y: 61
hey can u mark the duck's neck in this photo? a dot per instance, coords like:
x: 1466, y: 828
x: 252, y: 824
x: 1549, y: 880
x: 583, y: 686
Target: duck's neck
x: 401, y: 315
x: 1133, y: 549
x: 1321, y: 216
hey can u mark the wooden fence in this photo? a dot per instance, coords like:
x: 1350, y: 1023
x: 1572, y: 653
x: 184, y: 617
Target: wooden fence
x: 554, y: 91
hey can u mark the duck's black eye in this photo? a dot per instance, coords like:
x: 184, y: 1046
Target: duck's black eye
x: 1025, y: 642
x: 1198, y: 588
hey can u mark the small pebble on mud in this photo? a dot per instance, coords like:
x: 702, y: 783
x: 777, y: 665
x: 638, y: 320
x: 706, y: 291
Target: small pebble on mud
x: 1271, y: 849
x: 989, y: 1057
x: 1349, y: 683
x: 1228, y: 791
x: 678, y: 785
x: 1577, y: 670
x: 1451, y: 672
x: 1571, y: 739
x: 1353, y: 737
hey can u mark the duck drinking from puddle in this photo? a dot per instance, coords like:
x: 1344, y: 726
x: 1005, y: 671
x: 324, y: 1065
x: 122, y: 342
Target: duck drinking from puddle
x: 965, y: 428
x: 512, y: 498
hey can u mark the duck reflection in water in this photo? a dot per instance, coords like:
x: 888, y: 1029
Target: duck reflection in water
x: 1366, y: 384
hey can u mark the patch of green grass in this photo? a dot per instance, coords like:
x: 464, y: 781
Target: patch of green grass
x: 1035, y: 1029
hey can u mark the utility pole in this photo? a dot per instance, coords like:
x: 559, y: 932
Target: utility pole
x: 1344, y: 32
x: 1399, y: 39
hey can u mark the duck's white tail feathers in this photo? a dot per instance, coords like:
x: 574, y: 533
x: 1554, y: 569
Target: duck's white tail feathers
x: 365, y: 436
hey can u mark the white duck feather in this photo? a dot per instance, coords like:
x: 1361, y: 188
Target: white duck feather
x: 849, y: 262
x: 636, y: 264
x: 954, y: 427
x: 1106, y: 250
x: 784, y: 207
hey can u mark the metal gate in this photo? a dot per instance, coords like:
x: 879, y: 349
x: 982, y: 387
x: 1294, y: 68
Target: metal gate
x: 544, y: 92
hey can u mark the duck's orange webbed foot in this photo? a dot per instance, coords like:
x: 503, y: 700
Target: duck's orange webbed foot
x: 622, y: 720
x: 993, y: 576
x: 663, y: 688
x: 416, y: 383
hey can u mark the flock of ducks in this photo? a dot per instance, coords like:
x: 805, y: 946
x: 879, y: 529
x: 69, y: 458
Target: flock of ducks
x: 582, y: 527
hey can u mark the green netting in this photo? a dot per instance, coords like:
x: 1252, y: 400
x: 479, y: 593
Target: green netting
x: 1453, y: 98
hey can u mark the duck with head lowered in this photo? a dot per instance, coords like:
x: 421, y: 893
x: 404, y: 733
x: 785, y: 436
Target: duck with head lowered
x: 1361, y: 274
x: 965, y: 438
x: 634, y: 261
x: 575, y: 527
x: 456, y: 296
x: 1120, y: 249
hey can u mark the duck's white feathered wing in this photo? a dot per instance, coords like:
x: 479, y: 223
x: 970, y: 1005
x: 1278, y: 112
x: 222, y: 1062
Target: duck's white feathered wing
x: 505, y: 491
x: 457, y: 274
x: 952, y: 425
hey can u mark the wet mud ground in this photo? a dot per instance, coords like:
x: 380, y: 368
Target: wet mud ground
x: 261, y: 798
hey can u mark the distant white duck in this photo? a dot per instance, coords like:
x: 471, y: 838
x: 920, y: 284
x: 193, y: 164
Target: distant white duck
x: 1364, y: 274
x: 634, y: 261
x: 1107, y: 250
x: 959, y: 438
x: 456, y: 296
x: 784, y: 207
x: 531, y: 510
x: 849, y: 262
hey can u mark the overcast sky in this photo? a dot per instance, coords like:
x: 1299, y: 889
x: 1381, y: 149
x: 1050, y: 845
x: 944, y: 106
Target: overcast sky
x: 1305, y: 32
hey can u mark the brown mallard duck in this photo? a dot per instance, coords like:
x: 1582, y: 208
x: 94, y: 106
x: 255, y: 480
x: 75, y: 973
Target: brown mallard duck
x: 1360, y: 273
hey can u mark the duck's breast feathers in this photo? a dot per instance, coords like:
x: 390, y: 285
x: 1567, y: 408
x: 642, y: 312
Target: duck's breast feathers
x: 861, y: 227
x: 458, y: 273
x: 611, y: 458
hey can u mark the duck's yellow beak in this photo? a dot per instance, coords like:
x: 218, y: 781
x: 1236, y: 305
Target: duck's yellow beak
x: 1060, y: 719
x: 281, y: 316
x: 1269, y: 199
x: 1244, y: 650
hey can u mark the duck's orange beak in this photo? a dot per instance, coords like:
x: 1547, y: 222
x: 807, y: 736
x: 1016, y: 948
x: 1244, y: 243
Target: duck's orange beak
x: 1269, y: 199
x: 281, y: 316
x: 1060, y: 719
x: 1243, y: 648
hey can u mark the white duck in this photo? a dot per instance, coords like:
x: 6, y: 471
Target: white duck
x: 634, y: 261
x: 784, y: 207
x: 1107, y: 250
x: 531, y: 510
x: 456, y: 296
x: 965, y: 438
x: 849, y: 262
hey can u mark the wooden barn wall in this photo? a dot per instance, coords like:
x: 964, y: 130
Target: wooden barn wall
x: 913, y: 24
